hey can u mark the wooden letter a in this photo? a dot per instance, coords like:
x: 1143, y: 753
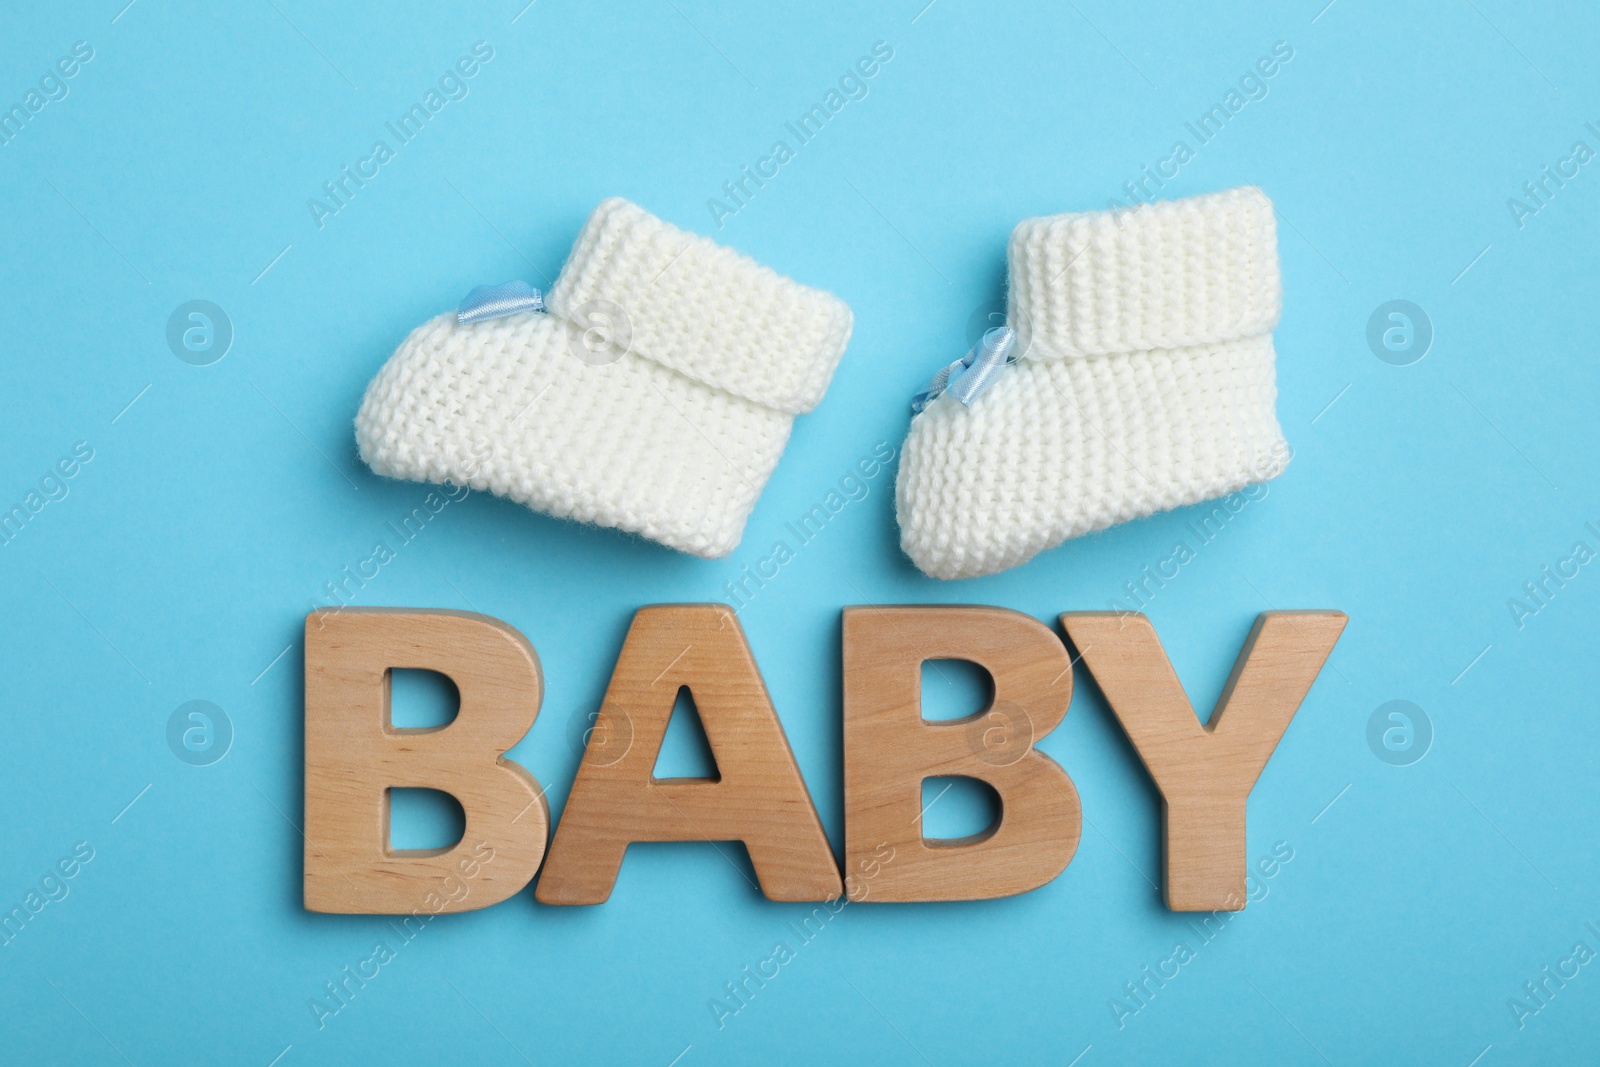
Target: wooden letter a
x: 759, y: 797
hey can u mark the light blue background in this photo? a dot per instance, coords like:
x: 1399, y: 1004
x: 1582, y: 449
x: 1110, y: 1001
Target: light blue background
x: 187, y: 552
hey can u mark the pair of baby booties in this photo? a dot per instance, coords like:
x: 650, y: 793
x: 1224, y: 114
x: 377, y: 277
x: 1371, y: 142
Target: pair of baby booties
x: 653, y: 388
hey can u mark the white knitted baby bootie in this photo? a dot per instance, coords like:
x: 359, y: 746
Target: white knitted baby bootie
x: 655, y: 394
x: 1143, y: 380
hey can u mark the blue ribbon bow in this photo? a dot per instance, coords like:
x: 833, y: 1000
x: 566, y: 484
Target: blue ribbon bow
x: 971, y: 376
x: 497, y: 301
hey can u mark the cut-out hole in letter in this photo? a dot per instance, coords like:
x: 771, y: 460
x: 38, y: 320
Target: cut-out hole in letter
x: 685, y: 752
x: 421, y: 700
x: 424, y: 820
x: 958, y: 810
x: 954, y: 689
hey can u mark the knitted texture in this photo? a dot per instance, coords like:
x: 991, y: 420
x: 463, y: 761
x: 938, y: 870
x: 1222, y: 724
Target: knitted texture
x: 660, y: 406
x: 704, y: 310
x: 1166, y: 275
x: 1146, y: 382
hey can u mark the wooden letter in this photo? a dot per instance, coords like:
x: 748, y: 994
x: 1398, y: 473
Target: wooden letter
x: 758, y: 797
x: 1205, y: 772
x: 354, y: 755
x: 889, y: 748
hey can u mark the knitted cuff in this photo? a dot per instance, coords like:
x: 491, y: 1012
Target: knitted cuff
x: 1168, y: 275
x: 705, y: 311
x: 655, y: 397
x: 1146, y: 381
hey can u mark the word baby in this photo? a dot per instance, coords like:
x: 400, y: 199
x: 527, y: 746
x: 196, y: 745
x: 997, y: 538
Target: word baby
x: 354, y: 754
